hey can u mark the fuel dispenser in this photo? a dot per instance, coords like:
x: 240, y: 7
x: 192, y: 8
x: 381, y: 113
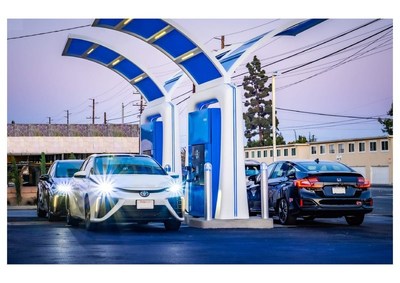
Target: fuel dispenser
x: 204, y: 145
x: 151, y: 138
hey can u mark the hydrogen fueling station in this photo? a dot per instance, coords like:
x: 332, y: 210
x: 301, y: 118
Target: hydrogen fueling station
x: 215, y: 193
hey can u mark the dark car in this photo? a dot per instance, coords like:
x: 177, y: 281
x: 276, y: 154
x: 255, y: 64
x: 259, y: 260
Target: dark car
x: 53, y: 186
x: 313, y: 189
x: 252, y: 169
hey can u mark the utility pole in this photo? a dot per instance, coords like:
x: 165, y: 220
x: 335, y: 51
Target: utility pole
x: 123, y: 114
x: 93, y: 107
x: 141, y: 107
x: 93, y: 111
x: 222, y: 40
x: 49, y: 120
x: 105, y: 118
x: 67, y: 116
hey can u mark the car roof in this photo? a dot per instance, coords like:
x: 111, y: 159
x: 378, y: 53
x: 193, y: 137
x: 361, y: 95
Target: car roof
x: 251, y: 162
x: 307, y: 160
x: 119, y: 154
x: 69, y: 160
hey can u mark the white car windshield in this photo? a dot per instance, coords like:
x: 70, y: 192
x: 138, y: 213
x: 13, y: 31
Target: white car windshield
x: 126, y: 164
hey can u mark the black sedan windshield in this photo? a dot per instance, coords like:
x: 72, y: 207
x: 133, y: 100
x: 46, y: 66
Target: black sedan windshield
x: 127, y: 164
x: 67, y: 169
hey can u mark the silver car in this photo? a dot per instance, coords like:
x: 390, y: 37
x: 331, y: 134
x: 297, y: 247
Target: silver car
x: 124, y: 188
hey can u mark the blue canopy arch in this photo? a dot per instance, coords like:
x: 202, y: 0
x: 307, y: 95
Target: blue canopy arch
x: 172, y: 41
x: 90, y: 49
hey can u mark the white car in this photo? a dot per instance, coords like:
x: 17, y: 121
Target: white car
x: 124, y: 188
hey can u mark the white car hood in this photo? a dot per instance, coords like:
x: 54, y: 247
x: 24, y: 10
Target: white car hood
x: 140, y: 182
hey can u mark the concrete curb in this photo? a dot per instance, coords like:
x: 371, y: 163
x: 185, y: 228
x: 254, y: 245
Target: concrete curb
x: 251, y: 223
x: 20, y: 207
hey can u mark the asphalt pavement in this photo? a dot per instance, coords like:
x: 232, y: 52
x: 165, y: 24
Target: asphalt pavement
x: 33, y: 240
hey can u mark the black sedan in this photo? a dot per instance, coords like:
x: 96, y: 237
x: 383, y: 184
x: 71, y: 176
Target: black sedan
x: 313, y: 189
x: 52, y: 188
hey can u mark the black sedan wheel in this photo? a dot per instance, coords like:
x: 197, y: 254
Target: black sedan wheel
x: 50, y: 215
x: 283, y: 213
x: 40, y: 212
x: 355, y: 220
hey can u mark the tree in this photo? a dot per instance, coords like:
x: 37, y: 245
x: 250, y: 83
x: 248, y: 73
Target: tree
x: 388, y: 122
x: 258, y: 118
x: 42, y: 163
x: 16, y: 178
x: 71, y: 156
x: 301, y: 139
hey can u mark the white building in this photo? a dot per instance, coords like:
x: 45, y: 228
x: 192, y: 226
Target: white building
x: 372, y: 157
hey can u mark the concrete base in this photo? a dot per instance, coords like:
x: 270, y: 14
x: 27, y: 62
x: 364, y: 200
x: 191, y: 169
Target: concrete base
x: 251, y: 223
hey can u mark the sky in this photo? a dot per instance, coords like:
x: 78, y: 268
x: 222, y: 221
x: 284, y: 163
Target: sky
x: 352, y: 76
x: 37, y: 82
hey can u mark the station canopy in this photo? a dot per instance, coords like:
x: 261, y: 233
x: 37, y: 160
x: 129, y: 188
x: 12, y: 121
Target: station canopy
x: 107, y: 57
x: 176, y: 45
x: 172, y: 42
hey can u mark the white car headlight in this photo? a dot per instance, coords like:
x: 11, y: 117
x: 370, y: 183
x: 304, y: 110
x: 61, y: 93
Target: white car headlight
x: 175, y: 187
x: 103, y: 184
x: 105, y: 187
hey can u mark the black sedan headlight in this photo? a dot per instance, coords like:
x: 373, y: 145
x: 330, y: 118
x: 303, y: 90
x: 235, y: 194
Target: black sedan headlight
x: 63, y: 188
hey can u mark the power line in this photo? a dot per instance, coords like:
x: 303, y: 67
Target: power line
x: 240, y: 31
x: 321, y: 43
x: 47, y: 32
x: 337, y: 51
x: 335, y: 62
x: 313, y: 46
x: 319, y: 126
x: 343, y: 61
x: 329, y: 115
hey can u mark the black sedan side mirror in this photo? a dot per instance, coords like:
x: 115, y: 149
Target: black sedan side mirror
x: 45, y: 177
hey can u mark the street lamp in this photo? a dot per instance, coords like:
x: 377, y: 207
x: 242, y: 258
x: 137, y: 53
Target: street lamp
x: 273, y: 118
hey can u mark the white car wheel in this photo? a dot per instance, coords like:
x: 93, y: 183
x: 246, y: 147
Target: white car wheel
x: 89, y: 225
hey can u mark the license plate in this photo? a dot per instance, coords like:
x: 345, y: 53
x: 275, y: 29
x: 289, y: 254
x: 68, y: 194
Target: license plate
x: 145, y: 204
x: 338, y: 190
